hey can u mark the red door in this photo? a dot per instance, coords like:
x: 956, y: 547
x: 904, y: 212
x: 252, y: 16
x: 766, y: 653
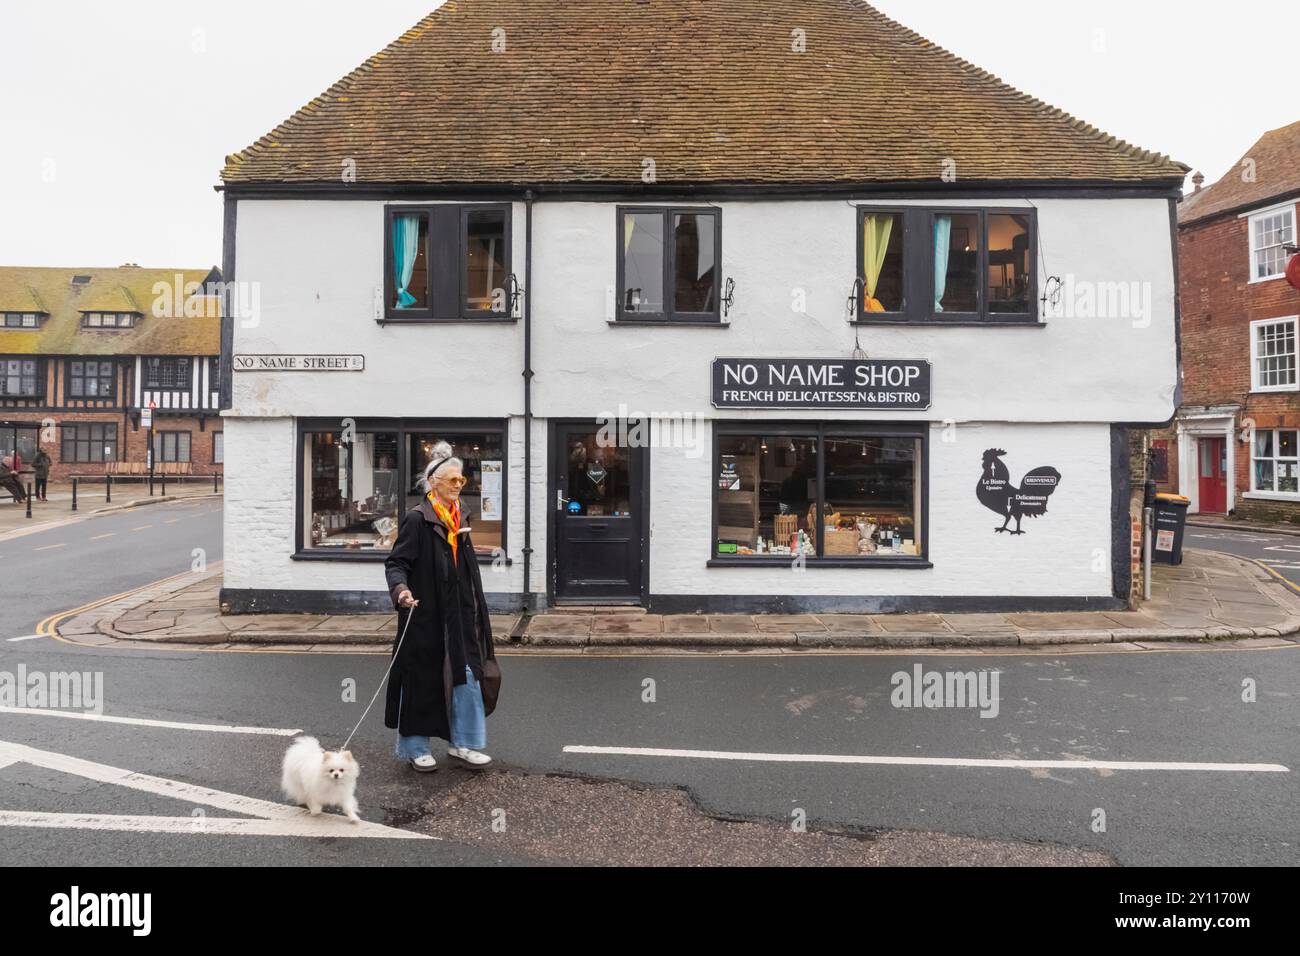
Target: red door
x: 1213, y: 470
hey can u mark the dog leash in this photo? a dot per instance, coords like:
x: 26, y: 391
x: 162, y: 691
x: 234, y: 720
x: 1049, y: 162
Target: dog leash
x: 396, y: 650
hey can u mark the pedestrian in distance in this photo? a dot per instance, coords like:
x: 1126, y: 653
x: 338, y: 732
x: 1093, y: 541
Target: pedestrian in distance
x: 41, y: 466
x: 444, y: 679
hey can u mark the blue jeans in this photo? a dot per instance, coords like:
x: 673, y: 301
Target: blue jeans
x: 468, y: 722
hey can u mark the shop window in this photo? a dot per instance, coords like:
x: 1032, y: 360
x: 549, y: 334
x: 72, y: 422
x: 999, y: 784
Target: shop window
x: 483, y: 464
x: 1273, y: 355
x: 1276, y: 460
x: 355, y: 495
x: 89, y: 443
x: 668, y: 264
x: 20, y: 378
x: 820, y: 494
x: 1270, y: 233
x: 447, y: 262
x: 880, y: 263
x: 91, y: 379
x: 171, y: 446
x: 168, y: 373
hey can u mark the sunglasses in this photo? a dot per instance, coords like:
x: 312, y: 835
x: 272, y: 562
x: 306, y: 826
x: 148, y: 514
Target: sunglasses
x: 459, y: 481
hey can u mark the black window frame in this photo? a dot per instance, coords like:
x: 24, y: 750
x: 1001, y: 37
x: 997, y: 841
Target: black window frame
x: 71, y: 377
x: 822, y: 431
x: 77, y: 440
x: 670, y: 315
x: 918, y: 268
x: 38, y: 319
x: 38, y: 377
x: 403, y: 428
x: 160, y: 443
x: 443, y: 253
x: 150, y: 384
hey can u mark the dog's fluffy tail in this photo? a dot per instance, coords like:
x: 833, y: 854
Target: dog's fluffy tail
x: 306, y: 742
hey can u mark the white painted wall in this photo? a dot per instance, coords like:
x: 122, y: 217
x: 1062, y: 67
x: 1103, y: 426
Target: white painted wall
x: 1065, y: 552
x: 319, y: 266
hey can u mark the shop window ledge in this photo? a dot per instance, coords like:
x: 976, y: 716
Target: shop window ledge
x: 343, y: 554
x: 956, y: 323
x: 672, y: 323
x: 784, y: 561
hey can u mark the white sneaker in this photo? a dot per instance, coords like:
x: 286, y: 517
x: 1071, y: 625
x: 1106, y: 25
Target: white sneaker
x: 424, y: 764
x: 471, y: 757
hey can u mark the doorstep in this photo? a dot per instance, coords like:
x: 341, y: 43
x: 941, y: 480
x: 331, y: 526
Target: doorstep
x: 1210, y: 597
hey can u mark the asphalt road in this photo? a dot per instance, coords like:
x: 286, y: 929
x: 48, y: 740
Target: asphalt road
x: 1151, y: 707
x: 64, y: 567
x: 1281, y: 552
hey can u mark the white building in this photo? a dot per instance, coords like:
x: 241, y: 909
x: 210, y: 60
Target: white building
x: 863, y: 307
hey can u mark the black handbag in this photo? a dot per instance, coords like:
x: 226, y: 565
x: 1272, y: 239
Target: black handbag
x: 490, y: 685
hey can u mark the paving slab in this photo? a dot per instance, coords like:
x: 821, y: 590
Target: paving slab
x: 909, y: 623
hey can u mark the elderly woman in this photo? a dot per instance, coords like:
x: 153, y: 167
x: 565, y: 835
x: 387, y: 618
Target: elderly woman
x: 437, y: 686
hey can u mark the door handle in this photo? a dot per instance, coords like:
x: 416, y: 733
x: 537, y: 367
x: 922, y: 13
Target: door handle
x: 560, y: 500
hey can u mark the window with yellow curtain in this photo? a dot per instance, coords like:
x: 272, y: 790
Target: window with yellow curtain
x: 882, y: 262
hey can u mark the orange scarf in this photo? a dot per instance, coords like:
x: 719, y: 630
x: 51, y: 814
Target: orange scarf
x: 449, y: 518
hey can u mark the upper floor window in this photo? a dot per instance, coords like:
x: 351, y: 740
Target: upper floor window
x: 447, y: 262
x: 20, y: 378
x: 668, y: 264
x: 90, y: 379
x: 1269, y: 233
x: 918, y: 264
x: 1273, y: 355
x: 167, y: 372
x: 108, y: 320
x: 22, y: 320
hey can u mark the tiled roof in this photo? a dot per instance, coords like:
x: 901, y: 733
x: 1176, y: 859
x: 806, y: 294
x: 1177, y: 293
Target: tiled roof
x: 711, y: 91
x: 1272, y: 173
x: 125, y: 289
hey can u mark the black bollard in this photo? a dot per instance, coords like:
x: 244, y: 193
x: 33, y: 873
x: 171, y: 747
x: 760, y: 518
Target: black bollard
x: 74, y: 494
x: 108, y: 488
x: 29, y: 499
x: 214, y: 482
x: 164, y: 485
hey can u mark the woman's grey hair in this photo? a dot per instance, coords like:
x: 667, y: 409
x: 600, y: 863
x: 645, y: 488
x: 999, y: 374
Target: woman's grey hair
x: 440, y: 458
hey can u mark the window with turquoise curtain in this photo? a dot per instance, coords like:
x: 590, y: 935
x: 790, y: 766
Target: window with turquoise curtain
x: 942, y: 243
x: 406, y: 246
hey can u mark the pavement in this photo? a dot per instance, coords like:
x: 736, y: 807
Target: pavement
x: 1240, y: 524
x: 1211, y: 596
x: 91, y: 501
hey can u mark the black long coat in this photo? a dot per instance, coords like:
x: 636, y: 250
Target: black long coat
x: 450, y: 631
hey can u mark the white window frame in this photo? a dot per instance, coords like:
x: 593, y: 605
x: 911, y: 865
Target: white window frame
x: 1251, y: 218
x: 1255, y: 386
x: 1275, y: 458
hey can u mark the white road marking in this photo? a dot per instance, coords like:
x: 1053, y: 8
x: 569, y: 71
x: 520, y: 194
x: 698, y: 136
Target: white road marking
x: 98, y: 536
x: 51, y: 547
x: 147, y: 722
x: 25, y: 637
x: 143, y: 527
x: 929, y: 761
x: 273, y: 819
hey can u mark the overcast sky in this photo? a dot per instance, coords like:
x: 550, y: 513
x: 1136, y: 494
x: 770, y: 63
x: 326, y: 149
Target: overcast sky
x: 115, y: 116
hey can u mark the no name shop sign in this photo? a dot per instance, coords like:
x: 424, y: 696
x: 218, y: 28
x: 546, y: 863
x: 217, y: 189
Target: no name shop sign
x: 899, y: 384
x: 299, y: 362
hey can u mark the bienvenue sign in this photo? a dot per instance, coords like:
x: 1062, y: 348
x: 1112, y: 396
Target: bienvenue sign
x: 300, y: 363
x: 869, y: 384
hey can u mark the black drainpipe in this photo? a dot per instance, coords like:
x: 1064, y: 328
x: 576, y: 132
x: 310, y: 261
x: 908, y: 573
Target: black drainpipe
x: 528, y: 402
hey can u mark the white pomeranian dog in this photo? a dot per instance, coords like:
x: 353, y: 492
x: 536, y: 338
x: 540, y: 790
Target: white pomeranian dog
x: 320, y: 778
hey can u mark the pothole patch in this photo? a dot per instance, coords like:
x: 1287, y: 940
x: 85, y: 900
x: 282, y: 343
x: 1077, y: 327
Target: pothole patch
x: 559, y: 818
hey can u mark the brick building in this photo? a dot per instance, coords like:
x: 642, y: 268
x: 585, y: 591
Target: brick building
x: 83, y: 351
x: 1233, y: 447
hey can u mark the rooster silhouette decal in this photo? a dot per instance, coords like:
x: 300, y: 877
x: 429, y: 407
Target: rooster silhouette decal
x: 996, y: 492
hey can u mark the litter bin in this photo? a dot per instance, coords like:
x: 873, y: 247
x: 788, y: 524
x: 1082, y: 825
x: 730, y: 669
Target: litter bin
x: 1170, y: 520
